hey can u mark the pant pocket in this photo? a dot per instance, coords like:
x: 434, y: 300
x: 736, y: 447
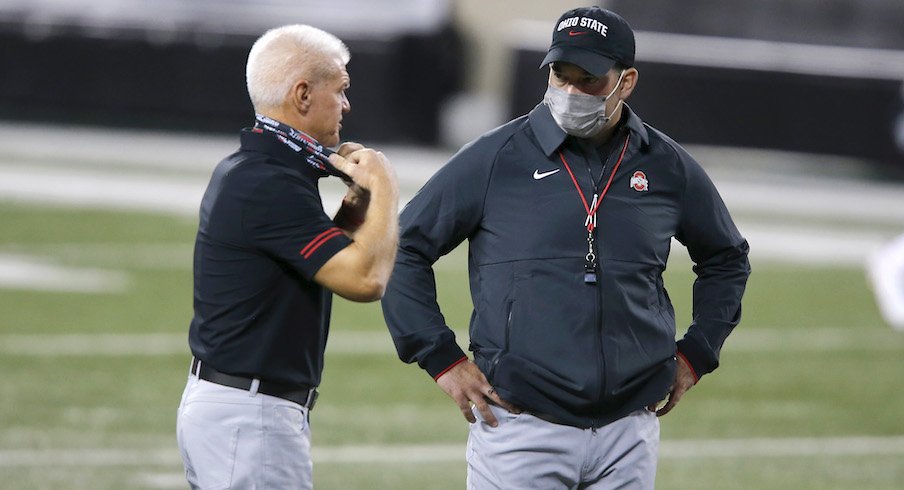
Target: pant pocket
x: 210, y: 450
x: 502, y: 415
x: 287, y: 447
x: 286, y: 419
x: 287, y: 461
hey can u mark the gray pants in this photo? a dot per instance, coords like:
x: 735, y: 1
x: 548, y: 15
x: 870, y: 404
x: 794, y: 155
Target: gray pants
x: 230, y: 438
x: 527, y: 452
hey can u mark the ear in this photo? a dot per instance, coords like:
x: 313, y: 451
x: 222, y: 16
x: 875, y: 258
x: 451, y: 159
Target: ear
x: 300, y: 96
x: 629, y: 81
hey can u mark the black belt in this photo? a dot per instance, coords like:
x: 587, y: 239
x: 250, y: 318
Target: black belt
x: 305, y: 397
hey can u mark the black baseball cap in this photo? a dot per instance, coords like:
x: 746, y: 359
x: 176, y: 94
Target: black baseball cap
x: 592, y: 38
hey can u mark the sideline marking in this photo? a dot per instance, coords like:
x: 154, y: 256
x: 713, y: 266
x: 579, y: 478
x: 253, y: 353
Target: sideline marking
x: 816, y: 339
x: 166, y: 256
x: 162, y: 344
x: 435, y: 453
x: 32, y: 273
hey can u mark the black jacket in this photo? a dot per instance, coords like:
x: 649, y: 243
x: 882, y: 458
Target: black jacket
x: 582, y: 354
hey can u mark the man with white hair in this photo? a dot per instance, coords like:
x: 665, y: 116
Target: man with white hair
x: 267, y: 260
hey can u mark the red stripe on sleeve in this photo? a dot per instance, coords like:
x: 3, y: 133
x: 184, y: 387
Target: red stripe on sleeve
x: 691, y: 366
x: 444, y: 371
x: 318, y: 237
x: 325, y: 239
x: 319, y: 240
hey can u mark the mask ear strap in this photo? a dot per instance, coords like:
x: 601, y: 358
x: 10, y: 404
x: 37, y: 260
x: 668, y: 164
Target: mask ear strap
x: 617, y: 84
x: 606, y: 117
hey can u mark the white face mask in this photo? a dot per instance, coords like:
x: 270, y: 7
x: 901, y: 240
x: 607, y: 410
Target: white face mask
x: 579, y: 115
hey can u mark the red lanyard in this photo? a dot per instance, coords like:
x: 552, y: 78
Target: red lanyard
x: 590, y: 222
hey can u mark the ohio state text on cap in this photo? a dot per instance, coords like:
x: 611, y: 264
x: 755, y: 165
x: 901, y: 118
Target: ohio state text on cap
x: 592, y: 38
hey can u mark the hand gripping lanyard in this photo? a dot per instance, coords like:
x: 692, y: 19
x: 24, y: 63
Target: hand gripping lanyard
x: 300, y: 142
x: 590, y: 264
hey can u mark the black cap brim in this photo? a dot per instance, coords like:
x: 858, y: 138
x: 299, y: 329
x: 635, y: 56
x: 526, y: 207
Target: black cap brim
x: 593, y: 63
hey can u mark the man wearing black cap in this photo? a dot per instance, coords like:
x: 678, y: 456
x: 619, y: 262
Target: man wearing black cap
x: 569, y: 212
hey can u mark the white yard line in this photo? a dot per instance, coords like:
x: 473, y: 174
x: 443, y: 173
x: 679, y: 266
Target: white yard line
x: 439, y: 453
x: 878, y: 206
x: 162, y: 344
x: 31, y: 273
x: 88, y: 457
x: 65, y: 180
x: 193, y: 154
x: 781, y: 447
x: 147, y: 479
x: 810, y: 245
x: 866, y: 202
x: 92, y: 189
x: 35, y: 267
x: 168, y: 174
x: 822, y: 339
x: 128, y: 255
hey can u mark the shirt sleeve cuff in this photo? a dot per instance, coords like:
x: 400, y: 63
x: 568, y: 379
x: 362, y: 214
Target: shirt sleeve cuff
x: 691, y: 366
x: 443, y: 358
x: 321, y: 252
x: 697, y: 358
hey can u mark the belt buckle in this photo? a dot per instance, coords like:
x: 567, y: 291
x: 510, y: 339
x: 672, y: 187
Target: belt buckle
x: 312, y: 398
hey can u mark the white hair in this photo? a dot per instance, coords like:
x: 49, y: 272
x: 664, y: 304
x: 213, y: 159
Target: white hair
x: 286, y: 54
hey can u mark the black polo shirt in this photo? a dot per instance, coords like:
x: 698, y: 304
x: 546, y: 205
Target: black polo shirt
x: 262, y: 236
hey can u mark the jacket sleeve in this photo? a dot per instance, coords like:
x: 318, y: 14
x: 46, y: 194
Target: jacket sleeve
x: 720, y: 260
x: 441, y: 215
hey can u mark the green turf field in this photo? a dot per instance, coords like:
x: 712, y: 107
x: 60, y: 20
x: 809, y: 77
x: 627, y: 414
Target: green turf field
x: 809, y: 395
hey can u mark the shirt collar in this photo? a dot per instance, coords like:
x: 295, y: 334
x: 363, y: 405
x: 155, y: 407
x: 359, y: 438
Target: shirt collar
x: 546, y: 130
x: 551, y: 136
x: 636, y: 125
x: 262, y: 142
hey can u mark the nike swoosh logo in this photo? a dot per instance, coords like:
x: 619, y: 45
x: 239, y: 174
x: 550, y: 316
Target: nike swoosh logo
x: 577, y: 33
x: 538, y: 175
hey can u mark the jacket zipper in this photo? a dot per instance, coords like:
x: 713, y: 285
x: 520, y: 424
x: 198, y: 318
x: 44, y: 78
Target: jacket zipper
x: 508, y: 335
x: 508, y: 325
x: 601, y: 360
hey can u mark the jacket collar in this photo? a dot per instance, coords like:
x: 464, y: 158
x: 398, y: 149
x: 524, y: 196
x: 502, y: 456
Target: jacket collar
x: 551, y: 136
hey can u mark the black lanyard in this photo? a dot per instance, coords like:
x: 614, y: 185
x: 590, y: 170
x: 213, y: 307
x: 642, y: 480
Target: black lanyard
x: 300, y: 142
x: 590, y: 265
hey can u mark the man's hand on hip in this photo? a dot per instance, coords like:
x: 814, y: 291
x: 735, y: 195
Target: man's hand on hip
x: 684, y: 380
x: 465, y: 384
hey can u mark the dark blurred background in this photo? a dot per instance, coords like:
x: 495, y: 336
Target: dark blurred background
x: 815, y: 76
x: 181, y: 65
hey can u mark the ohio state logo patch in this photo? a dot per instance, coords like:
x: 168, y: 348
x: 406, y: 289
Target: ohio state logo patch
x: 639, y: 181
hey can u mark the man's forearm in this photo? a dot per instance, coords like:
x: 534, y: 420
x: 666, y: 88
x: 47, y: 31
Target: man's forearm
x: 413, y: 316
x: 716, y: 307
x: 378, y: 233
